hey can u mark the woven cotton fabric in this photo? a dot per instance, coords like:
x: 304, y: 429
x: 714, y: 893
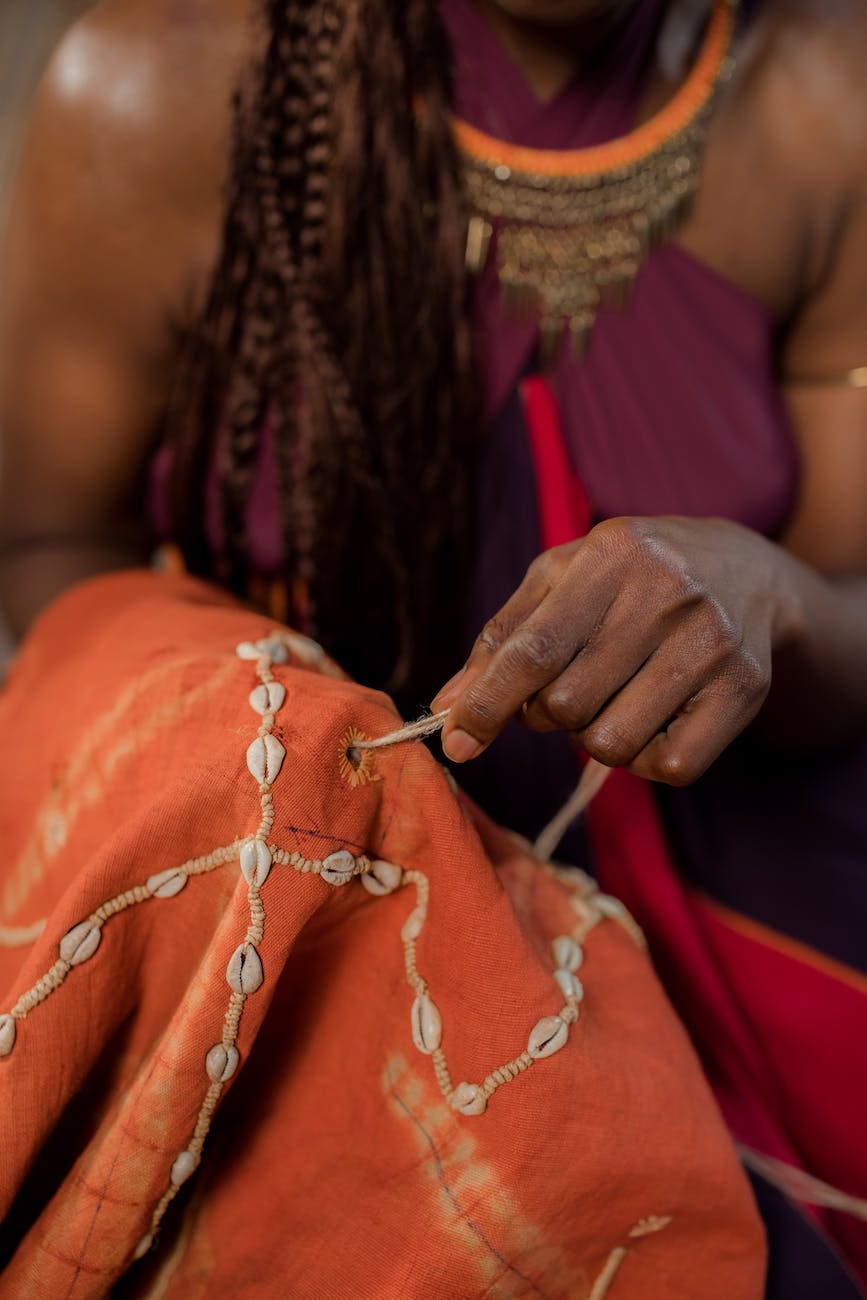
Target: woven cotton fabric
x: 332, y: 1160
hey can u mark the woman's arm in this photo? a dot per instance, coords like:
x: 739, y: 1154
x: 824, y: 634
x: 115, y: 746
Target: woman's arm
x: 657, y: 641
x: 113, y: 222
x: 819, y: 689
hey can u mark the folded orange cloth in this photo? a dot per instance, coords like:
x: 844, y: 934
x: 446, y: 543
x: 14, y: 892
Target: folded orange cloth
x: 370, y: 1044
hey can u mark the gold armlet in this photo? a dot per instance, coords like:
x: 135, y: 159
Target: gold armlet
x: 856, y: 378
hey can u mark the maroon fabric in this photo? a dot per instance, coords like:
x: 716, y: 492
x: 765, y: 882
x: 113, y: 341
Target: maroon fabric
x: 675, y: 408
x: 757, y: 1004
x: 492, y: 92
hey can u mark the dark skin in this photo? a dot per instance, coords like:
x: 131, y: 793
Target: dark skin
x: 654, y: 640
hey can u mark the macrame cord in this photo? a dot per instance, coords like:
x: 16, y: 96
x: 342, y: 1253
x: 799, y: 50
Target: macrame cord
x: 796, y: 1184
x: 593, y: 777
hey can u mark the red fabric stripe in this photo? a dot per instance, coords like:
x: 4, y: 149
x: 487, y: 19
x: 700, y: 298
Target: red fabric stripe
x: 633, y: 862
x: 812, y: 1032
x: 564, y: 508
x: 781, y: 1041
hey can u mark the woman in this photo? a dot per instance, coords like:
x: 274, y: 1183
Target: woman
x: 721, y: 585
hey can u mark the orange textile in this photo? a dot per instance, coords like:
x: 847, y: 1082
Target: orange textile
x: 280, y: 1027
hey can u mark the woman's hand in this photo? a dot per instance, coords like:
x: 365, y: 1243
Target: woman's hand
x: 650, y: 639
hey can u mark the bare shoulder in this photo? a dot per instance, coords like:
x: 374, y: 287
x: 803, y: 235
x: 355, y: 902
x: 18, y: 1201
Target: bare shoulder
x: 113, y: 226
x: 131, y: 119
x: 786, y: 160
x: 135, y: 64
x: 804, y: 66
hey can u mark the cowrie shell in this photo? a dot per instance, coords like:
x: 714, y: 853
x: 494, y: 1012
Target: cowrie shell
x: 221, y: 1063
x: 168, y: 883
x: 570, y: 985
x: 185, y: 1165
x: 255, y: 862
x: 268, y: 698
x: 305, y: 649
x: 468, y: 1099
x: 382, y: 878
x: 265, y: 759
x: 247, y: 650
x: 608, y: 906
x: 548, y: 1036
x: 587, y: 916
x: 244, y: 972
x: 144, y: 1246
x: 8, y: 1034
x: 82, y: 941
x: 339, y: 868
x: 427, y: 1025
x: 412, y: 926
x: 567, y: 954
x: 274, y: 649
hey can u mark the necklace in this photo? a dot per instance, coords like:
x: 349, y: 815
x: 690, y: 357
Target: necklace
x: 573, y: 226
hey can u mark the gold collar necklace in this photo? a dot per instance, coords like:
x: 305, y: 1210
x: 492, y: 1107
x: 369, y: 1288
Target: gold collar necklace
x: 573, y: 226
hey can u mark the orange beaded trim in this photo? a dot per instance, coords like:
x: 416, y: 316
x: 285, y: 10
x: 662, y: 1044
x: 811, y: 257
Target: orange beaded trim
x: 686, y: 104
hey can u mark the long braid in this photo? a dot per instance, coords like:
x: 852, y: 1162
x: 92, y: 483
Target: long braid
x: 337, y: 319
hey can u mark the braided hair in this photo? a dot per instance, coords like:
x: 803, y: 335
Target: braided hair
x: 337, y: 320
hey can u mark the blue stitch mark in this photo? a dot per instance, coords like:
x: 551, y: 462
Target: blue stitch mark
x: 441, y: 1175
x: 310, y: 833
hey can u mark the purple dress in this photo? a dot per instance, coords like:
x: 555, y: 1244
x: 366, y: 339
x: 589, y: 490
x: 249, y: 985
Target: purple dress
x: 674, y: 410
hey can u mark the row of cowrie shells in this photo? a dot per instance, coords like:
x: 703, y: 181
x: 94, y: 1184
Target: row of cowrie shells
x: 568, y: 958
x: 81, y: 943
x: 550, y: 1034
x: 244, y: 974
x: 270, y: 648
x: 279, y: 645
x: 592, y: 906
x: 547, y: 1037
x: 265, y: 758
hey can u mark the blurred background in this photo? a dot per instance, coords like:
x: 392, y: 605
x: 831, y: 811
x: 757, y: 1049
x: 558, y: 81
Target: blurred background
x: 28, y: 30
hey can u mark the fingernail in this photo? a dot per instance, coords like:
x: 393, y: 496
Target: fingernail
x: 449, y: 692
x: 460, y: 747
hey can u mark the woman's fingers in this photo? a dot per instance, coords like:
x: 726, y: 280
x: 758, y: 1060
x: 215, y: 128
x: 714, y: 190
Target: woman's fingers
x: 536, y: 585
x: 520, y: 652
x: 685, y: 750
x: 642, y: 640
x: 688, y: 701
x: 614, y: 652
x: 671, y: 720
x: 543, y: 574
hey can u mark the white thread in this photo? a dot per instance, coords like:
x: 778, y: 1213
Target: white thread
x: 412, y: 731
x: 801, y: 1186
x: 592, y: 780
x: 605, y: 1279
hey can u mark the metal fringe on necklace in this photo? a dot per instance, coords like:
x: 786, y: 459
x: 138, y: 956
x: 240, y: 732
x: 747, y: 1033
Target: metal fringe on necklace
x: 572, y: 227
